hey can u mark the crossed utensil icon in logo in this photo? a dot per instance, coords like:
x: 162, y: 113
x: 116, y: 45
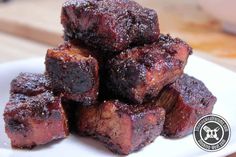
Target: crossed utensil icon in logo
x: 211, y: 133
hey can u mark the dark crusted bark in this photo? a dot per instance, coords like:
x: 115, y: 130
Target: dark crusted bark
x: 74, y: 73
x: 185, y: 101
x: 122, y: 128
x: 137, y: 75
x: 109, y: 25
x: 33, y: 115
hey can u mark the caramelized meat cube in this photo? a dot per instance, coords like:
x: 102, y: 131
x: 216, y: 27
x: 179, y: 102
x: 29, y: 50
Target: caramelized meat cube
x: 109, y: 25
x: 33, y: 120
x: 138, y: 74
x: 122, y: 128
x: 185, y: 101
x: 74, y: 73
x: 30, y: 84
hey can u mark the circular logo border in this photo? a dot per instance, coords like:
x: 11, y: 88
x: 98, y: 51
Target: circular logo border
x: 226, y: 122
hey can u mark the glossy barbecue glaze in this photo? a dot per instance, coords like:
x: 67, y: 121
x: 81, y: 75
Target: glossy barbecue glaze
x: 37, y: 119
x: 121, y: 127
x: 137, y: 75
x: 30, y: 84
x: 114, y: 48
x: 185, y: 101
x: 74, y: 73
x: 109, y: 25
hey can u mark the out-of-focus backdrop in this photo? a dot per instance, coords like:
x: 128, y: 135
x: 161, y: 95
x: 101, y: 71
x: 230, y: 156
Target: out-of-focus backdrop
x: 28, y: 27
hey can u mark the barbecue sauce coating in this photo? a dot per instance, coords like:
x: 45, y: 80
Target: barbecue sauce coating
x: 137, y: 75
x: 74, y: 73
x: 109, y: 25
x: 33, y: 116
x: 121, y: 127
x: 185, y: 101
x: 30, y: 84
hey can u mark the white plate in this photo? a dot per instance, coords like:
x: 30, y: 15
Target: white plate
x: 220, y: 81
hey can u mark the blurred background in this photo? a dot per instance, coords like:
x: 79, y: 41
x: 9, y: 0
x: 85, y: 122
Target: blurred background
x: 29, y: 27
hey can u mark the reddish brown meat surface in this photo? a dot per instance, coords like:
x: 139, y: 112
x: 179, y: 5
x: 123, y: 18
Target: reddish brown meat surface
x: 30, y: 84
x: 185, y: 101
x: 109, y: 25
x: 74, y: 73
x: 122, y: 128
x: 138, y: 74
x: 33, y: 120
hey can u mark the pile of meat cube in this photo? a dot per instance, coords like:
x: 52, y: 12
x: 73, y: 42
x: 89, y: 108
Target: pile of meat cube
x: 115, y: 78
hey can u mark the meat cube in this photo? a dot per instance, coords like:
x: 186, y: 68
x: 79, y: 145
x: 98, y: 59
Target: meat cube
x: 109, y: 25
x: 74, y: 73
x: 33, y: 120
x: 137, y: 75
x: 30, y: 84
x: 185, y: 101
x: 121, y: 127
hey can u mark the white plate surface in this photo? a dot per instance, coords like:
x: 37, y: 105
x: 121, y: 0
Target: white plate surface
x: 220, y: 81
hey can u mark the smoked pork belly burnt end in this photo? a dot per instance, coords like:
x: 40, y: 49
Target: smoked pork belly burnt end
x: 74, y: 73
x: 109, y: 25
x: 30, y: 84
x: 33, y: 116
x: 138, y: 74
x: 121, y: 127
x: 185, y: 101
